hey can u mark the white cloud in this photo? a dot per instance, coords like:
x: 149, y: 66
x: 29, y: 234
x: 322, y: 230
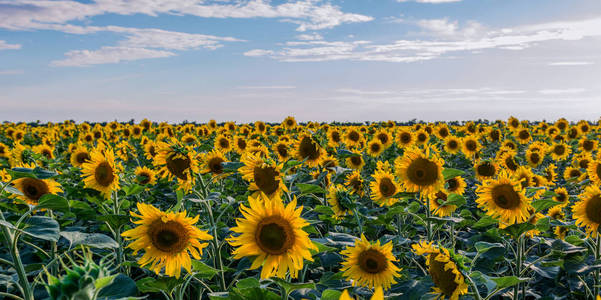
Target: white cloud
x: 430, y: 1
x: 570, y: 63
x: 11, y: 72
x: 157, y: 38
x: 562, y: 91
x: 258, y: 52
x: 309, y: 37
x: 308, y: 14
x: 6, y: 46
x: 451, y: 38
x: 107, y: 55
x: 267, y: 87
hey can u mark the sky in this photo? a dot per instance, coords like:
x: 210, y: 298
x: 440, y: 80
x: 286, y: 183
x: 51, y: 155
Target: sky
x: 317, y: 60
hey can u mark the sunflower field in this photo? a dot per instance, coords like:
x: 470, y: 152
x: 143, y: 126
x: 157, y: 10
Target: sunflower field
x: 386, y: 210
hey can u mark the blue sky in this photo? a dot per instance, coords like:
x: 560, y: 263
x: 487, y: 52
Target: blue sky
x: 245, y: 60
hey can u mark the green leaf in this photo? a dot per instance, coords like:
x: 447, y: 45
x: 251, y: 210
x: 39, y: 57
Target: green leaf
x: 310, y: 189
x: 455, y: 199
x: 449, y: 173
x: 483, y: 247
x: 289, y: 287
x: 152, y: 285
x: 330, y: 295
x: 322, y: 248
x: 248, y: 283
x: 43, y: 174
x: 507, y: 281
x: 121, y: 288
x: 543, y: 224
x: 95, y: 240
x: 133, y: 189
x: 115, y: 221
x: 542, y: 204
x: 485, y: 221
x: 202, y: 270
x: 16, y: 173
x: 104, y: 281
x: 53, y: 202
x: 44, y: 228
x: 516, y: 230
x: 231, y: 166
x: 13, y: 190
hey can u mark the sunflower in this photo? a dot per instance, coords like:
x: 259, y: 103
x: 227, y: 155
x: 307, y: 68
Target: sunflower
x: 448, y: 280
x: 534, y: 158
x: 338, y: 197
x: 375, y: 148
x: 175, y: 160
x: 211, y: 163
x: 282, y: 150
x: 370, y: 264
x: 240, y: 144
x: 556, y: 213
x: 587, y: 211
x: 404, y: 138
x: 559, y: 151
x: 355, y: 161
x: 524, y: 176
x: 4, y: 150
x: 420, y: 171
x: 523, y: 135
x: 384, y: 187
x: 79, y: 155
x: 167, y: 238
x: 355, y: 182
x: 33, y: 189
x: 44, y: 150
x: 452, y: 144
x: 150, y: 150
x: 582, y: 160
x: 435, y: 204
x: 442, y: 131
x: 573, y: 174
x: 550, y: 174
x: 145, y: 176
x: 471, y: 146
x: 273, y: 235
x: 189, y: 139
x: 378, y: 295
x: 353, y: 137
x: 223, y: 143
x: 494, y: 135
x: 507, y: 160
x: 587, y: 145
x: 504, y: 198
x: 422, y: 137
x: 594, y: 172
x: 384, y: 137
x: 562, y: 196
x: 101, y: 172
x: 309, y: 150
x: 264, y: 175
x: 260, y: 127
x: 456, y: 185
x: 334, y: 137
x: 289, y: 123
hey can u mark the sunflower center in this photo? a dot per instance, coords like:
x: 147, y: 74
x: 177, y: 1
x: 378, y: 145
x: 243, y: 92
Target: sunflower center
x: 422, y: 172
x: 453, y: 144
x: 336, y: 136
x: 524, y: 134
x: 453, y: 184
x: 575, y: 173
x: 559, y: 150
x: 383, y: 138
x: 82, y: 157
x: 510, y: 163
x: 471, y: 145
x: 266, y: 179
x: 588, y: 145
x: 372, y: 261
x: 495, y: 135
x: 282, y: 150
x: 104, y: 174
x: 405, y: 138
x: 224, y: 143
x: 443, y: 278
x: 241, y: 144
x: 274, y: 235
x: 598, y: 170
x: 561, y: 197
x: 356, y: 184
x: 583, y: 163
x: 354, y: 136
x: 535, y: 158
x: 308, y: 149
x: 375, y: 147
x: 215, y: 165
x: 387, y: 188
x: 177, y: 166
x: 144, y: 178
x: 171, y: 237
x: 443, y: 132
x: 34, y: 189
x: 505, y: 196
x: 593, y: 209
x: 421, y: 137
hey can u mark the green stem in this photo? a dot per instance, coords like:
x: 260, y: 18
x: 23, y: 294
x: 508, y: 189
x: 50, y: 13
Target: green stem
x: 217, y: 253
x: 428, y: 215
x: 11, y: 244
x: 518, y: 266
x: 597, y: 252
x: 356, y: 213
